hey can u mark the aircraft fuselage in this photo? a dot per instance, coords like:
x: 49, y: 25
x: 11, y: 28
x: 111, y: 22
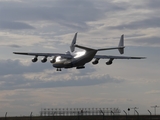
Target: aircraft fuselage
x: 79, y: 59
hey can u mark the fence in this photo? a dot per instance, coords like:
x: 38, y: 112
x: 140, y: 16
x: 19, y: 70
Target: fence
x: 78, y: 111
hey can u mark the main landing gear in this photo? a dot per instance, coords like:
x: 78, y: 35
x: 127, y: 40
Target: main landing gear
x: 59, y: 69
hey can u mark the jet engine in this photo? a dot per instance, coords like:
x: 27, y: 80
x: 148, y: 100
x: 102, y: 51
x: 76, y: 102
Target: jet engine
x: 34, y: 59
x: 96, y: 61
x: 110, y: 61
x: 53, y: 60
x: 44, y: 60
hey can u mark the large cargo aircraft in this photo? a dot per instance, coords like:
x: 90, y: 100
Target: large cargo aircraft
x: 80, y: 58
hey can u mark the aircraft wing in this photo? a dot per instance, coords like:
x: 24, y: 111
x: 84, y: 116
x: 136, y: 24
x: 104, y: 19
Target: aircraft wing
x: 45, y: 54
x: 116, y: 57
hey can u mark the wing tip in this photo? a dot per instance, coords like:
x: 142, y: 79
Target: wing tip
x: 143, y: 57
x: 20, y: 53
x: 14, y: 52
x: 138, y: 57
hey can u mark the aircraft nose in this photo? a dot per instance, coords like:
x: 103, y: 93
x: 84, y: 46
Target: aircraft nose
x: 56, y: 65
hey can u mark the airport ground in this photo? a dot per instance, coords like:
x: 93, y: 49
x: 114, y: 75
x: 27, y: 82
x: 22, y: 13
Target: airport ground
x: 94, y: 117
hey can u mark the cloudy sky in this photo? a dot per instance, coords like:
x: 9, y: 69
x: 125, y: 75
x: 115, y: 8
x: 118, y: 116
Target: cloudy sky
x: 49, y: 26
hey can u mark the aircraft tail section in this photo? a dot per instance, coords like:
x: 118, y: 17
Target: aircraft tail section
x: 121, y: 45
x: 72, y: 46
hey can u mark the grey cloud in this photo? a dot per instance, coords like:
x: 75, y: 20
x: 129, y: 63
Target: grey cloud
x: 19, y: 98
x: 151, y: 41
x: 79, y: 82
x: 70, y: 13
x: 14, y: 25
x: 16, y: 67
x: 154, y: 4
x: 9, y: 66
x: 11, y: 76
x: 110, y: 6
x: 19, y: 82
x: 135, y: 35
x: 14, y: 46
x: 143, y: 24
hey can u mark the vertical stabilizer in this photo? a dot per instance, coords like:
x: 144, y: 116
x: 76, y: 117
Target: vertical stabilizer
x: 121, y: 45
x: 72, y: 46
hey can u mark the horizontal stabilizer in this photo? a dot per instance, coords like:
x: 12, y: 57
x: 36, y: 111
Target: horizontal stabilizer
x: 112, y: 48
x: 117, y: 57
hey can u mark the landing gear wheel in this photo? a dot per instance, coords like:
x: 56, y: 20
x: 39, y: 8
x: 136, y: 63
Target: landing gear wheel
x: 59, y: 69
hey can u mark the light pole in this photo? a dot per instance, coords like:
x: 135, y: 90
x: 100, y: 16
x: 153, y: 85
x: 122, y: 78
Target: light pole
x: 125, y: 113
x: 31, y: 116
x: 102, y: 113
x: 155, y: 108
x: 134, y: 109
x: 6, y: 116
x: 150, y: 114
x: 137, y: 112
x: 128, y: 110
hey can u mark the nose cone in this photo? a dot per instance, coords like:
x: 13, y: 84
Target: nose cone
x: 58, y: 65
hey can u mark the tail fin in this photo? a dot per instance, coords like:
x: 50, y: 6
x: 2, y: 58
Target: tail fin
x: 72, y: 46
x: 121, y: 45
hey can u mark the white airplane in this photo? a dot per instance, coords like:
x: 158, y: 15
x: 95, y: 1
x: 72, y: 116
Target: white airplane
x: 79, y: 59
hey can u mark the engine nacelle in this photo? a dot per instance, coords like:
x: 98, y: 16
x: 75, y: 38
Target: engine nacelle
x: 53, y: 60
x: 34, y: 59
x: 110, y: 61
x: 44, y: 60
x: 95, y: 62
